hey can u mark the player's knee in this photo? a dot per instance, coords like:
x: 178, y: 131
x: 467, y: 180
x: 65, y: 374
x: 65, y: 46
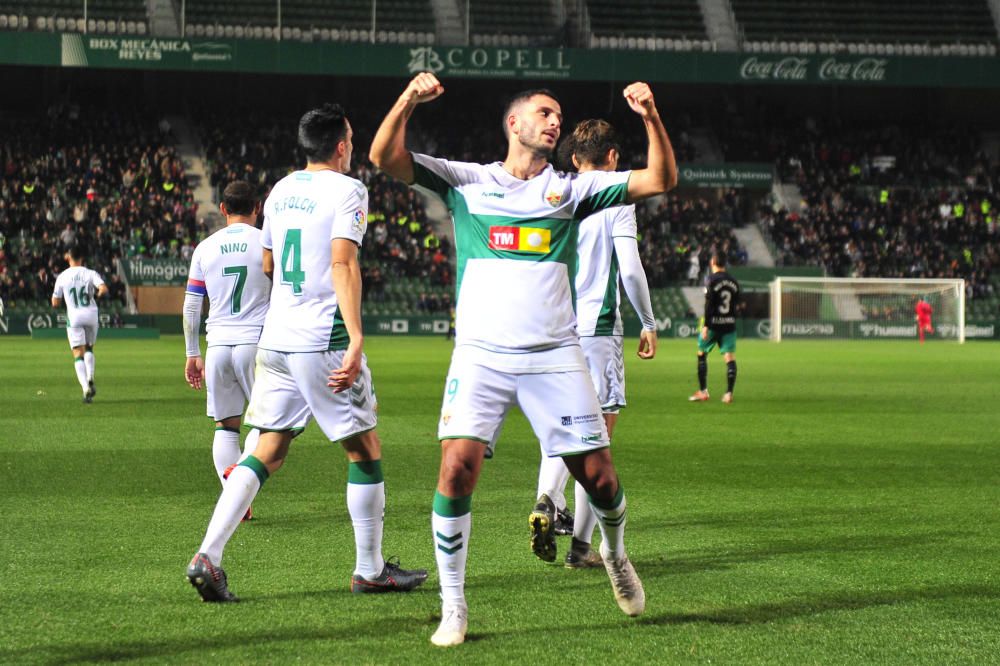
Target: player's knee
x: 365, y: 446
x: 604, y: 484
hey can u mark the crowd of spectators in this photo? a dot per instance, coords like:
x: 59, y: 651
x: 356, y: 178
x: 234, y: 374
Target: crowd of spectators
x: 892, y: 201
x: 401, y: 242
x: 678, y: 235
x: 887, y: 201
x: 104, y: 179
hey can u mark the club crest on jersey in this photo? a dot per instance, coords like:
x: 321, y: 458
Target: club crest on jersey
x: 522, y: 239
x: 554, y: 198
x: 359, y: 220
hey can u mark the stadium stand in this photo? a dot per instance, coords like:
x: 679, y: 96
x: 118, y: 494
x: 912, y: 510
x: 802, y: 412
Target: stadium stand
x: 643, y: 24
x: 106, y: 179
x: 103, y: 16
x: 914, y: 27
x: 886, y: 201
x: 395, y: 21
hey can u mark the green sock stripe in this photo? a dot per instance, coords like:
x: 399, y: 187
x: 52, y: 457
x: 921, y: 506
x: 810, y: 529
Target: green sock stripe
x: 78, y: 360
x: 452, y: 507
x: 614, y: 522
x: 365, y: 472
x: 258, y: 468
x: 227, y: 429
x: 613, y: 504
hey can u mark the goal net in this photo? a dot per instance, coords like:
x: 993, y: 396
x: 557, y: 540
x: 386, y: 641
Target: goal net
x: 866, y: 308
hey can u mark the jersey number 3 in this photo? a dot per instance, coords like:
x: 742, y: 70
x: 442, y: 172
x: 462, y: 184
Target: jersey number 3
x: 726, y: 297
x: 291, y: 261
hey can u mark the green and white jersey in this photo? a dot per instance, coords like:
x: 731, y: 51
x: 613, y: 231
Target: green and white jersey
x: 597, y: 294
x: 76, y: 286
x: 516, y: 246
x: 305, y: 211
x: 228, y: 268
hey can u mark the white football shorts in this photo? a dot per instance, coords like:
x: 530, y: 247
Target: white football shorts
x: 561, y: 407
x: 606, y: 363
x: 229, y: 371
x: 291, y: 388
x: 85, y: 333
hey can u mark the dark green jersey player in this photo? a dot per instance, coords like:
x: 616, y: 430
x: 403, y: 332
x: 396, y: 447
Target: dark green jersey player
x: 722, y: 294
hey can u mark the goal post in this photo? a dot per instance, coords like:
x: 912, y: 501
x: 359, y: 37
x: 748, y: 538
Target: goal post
x: 864, y: 308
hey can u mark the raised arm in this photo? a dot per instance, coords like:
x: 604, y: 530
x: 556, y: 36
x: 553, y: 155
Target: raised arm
x: 660, y: 174
x: 388, y: 151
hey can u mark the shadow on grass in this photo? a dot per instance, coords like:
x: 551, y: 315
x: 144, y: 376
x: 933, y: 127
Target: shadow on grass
x: 725, y: 559
x: 83, y: 652
x: 821, y: 603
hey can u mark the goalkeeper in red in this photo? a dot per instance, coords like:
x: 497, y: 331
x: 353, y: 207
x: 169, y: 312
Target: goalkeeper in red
x: 924, y: 311
x: 722, y: 294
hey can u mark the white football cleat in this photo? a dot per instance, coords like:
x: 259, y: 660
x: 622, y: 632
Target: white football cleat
x: 625, y: 582
x: 727, y: 398
x: 454, y: 624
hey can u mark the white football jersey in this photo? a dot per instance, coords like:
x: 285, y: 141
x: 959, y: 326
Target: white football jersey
x: 228, y: 268
x: 77, y: 286
x: 516, y: 242
x: 597, y: 294
x: 304, y: 212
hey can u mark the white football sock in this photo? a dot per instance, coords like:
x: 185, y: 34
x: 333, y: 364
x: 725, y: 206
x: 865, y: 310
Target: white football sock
x: 225, y: 450
x: 451, y: 544
x: 612, y: 524
x: 585, y: 519
x: 366, y: 504
x: 250, y: 443
x: 552, y: 477
x: 81, y: 374
x: 88, y: 360
x: 237, y: 494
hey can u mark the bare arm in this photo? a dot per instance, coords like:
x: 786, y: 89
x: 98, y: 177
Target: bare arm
x: 660, y: 174
x: 268, y: 263
x: 102, y: 290
x: 57, y: 302
x: 388, y: 151
x: 346, y: 273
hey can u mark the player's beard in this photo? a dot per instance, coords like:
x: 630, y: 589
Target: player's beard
x: 539, y: 148
x: 536, y: 145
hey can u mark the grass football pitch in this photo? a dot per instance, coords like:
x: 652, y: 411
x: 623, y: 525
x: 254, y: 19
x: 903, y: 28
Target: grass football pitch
x: 844, y: 509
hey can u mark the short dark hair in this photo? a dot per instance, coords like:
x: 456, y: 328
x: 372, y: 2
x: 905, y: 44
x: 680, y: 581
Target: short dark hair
x: 591, y: 140
x: 719, y: 258
x: 518, y: 98
x: 239, y: 198
x: 75, y: 251
x: 320, y: 130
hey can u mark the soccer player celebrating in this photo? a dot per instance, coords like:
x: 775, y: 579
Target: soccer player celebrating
x: 722, y: 293
x: 310, y: 360
x: 81, y: 287
x: 607, y: 247
x: 923, y: 312
x: 228, y: 268
x: 516, y: 342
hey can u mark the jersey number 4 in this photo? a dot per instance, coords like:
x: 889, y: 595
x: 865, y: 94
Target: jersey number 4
x: 291, y: 261
x: 241, y: 279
